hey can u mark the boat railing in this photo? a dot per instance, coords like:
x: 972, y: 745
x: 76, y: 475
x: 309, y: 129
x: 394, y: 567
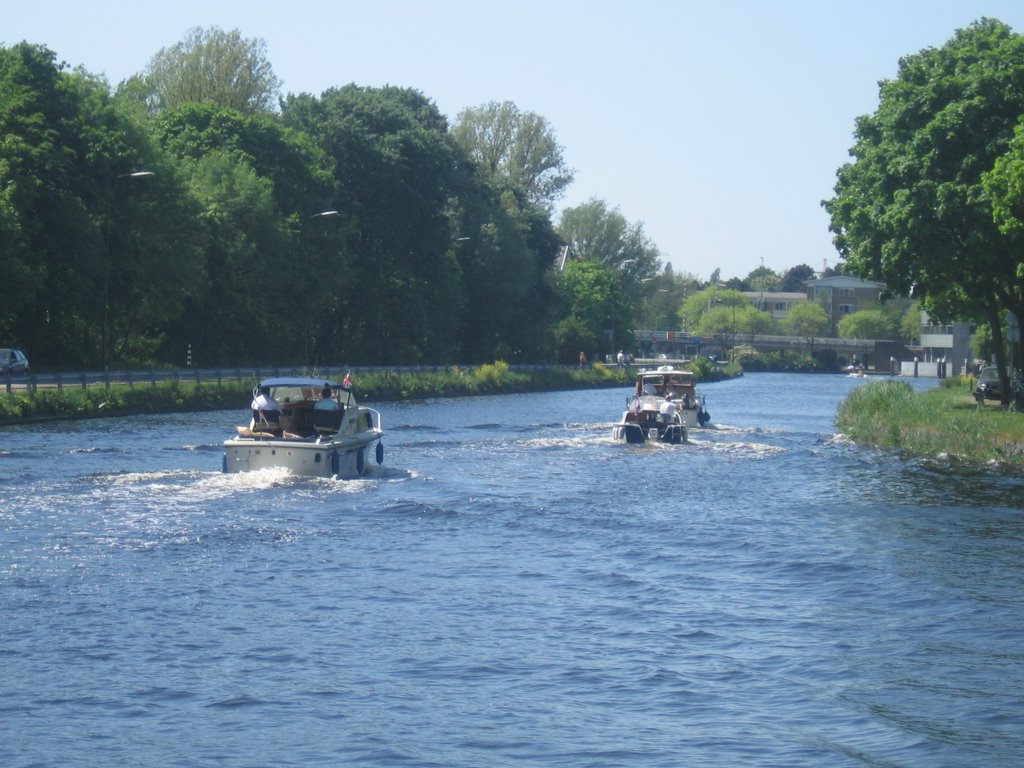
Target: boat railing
x: 376, y: 420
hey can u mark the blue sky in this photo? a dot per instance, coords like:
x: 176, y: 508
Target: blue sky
x: 717, y: 126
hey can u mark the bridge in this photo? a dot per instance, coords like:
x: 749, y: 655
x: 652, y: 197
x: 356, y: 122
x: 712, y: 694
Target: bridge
x: 687, y: 345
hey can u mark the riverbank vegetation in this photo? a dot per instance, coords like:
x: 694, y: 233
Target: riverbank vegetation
x: 945, y: 421
x: 186, y: 395
x: 750, y: 360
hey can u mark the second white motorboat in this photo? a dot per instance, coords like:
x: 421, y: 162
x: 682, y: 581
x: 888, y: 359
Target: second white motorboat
x: 664, y: 408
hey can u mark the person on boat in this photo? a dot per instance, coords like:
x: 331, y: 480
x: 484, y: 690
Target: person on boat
x: 265, y: 410
x: 327, y: 412
x: 326, y: 401
x: 668, y: 411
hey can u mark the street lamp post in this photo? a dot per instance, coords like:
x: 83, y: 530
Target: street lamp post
x: 312, y: 275
x: 444, y: 312
x: 611, y: 299
x: 105, y: 334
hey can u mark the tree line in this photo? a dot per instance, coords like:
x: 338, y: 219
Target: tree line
x: 181, y: 212
x: 193, y: 209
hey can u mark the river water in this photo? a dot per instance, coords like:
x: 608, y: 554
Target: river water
x: 511, y: 588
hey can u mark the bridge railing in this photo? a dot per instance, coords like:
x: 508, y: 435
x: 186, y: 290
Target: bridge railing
x: 682, y: 338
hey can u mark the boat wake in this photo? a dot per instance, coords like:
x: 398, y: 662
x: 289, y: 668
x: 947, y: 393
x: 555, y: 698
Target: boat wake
x: 567, y: 440
x: 185, y: 486
x: 744, y: 449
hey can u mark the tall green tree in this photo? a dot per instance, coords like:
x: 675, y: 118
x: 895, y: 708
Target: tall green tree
x: 808, y: 321
x: 699, y: 304
x: 211, y: 66
x: 794, y: 280
x: 98, y: 245
x: 764, y: 279
x: 867, y: 324
x: 237, y: 318
x: 29, y: 153
x: 259, y: 188
x: 506, y: 263
x: 595, y: 232
x: 667, y: 293
x: 518, y: 146
x: 598, y: 317
x: 394, y: 163
x: 1005, y: 185
x: 912, y: 209
x: 723, y: 313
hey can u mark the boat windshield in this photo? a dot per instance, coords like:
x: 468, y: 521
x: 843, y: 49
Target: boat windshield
x: 291, y: 394
x: 675, y: 384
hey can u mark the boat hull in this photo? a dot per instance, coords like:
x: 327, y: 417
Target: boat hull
x: 342, y: 457
x: 637, y: 434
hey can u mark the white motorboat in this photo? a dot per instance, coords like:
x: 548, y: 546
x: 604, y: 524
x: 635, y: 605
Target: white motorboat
x: 665, y: 407
x: 308, y: 426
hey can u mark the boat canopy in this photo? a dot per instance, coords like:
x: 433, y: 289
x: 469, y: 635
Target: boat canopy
x: 667, y: 375
x: 303, y: 381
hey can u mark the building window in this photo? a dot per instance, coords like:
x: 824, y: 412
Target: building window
x: 847, y: 309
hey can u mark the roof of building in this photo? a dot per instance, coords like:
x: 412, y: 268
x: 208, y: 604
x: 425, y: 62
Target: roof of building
x: 758, y: 296
x: 843, y: 281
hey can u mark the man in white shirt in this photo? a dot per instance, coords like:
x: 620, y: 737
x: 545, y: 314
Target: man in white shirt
x: 266, y: 413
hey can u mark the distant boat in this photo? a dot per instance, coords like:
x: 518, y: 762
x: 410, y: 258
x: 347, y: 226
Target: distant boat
x: 664, y: 408
x: 317, y: 428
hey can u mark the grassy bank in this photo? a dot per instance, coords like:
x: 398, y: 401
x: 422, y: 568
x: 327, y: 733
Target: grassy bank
x: 943, y: 421
x: 120, y: 399
x: 182, y: 395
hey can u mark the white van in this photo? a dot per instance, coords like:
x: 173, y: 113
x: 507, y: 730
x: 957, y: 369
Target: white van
x: 12, y: 361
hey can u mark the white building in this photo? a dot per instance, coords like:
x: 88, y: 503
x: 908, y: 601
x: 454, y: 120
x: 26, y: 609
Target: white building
x: 951, y: 343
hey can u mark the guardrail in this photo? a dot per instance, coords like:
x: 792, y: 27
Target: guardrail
x: 84, y: 380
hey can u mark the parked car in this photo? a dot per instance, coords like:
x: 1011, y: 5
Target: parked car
x: 12, y: 361
x: 989, y: 386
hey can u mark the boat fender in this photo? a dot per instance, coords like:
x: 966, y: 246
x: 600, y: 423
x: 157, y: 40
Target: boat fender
x: 360, y: 461
x: 335, y: 463
x: 380, y: 452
